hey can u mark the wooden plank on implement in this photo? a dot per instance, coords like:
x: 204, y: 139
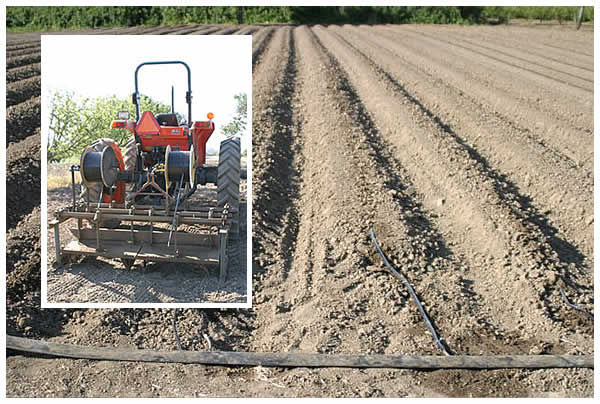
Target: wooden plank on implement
x: 141, y: 218
x: 158, y: 237
x: 153, y: 253
x: 290, y: 359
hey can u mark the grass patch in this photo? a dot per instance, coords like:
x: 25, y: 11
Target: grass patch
x: 59, y: 176
x: 57, y: 182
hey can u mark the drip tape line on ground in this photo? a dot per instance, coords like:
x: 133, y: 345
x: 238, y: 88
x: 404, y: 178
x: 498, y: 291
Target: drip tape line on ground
x: 439, y: 340
x: 574, y: 306
x: 301, y: 359
x: 177, y: 340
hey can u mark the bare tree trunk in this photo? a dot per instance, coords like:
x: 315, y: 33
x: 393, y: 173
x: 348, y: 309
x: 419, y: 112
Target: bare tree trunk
x: 240, y: 15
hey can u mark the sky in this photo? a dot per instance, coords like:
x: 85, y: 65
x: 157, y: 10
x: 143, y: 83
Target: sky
x: 104, y: 65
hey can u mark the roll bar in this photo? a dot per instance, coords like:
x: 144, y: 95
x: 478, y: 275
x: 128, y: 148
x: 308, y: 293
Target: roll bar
x: 188, y: 94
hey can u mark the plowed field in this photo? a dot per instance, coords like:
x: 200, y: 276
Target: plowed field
x: 468, y: 150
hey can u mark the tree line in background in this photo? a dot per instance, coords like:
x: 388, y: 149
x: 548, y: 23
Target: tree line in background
x: 75, y: 124
x: 35, y: 18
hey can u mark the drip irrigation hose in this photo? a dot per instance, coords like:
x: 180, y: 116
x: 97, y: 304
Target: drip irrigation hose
x: 138, y: 252
x: 175, y: 212
x: 439, y: 340
x: 177, y: 340
x: 574, y: 306
x: 301, y: 359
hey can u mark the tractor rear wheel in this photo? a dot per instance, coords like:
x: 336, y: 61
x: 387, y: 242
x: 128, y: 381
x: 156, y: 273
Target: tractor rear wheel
x: 130, y: 155
x: 228, y: 181
x: 95, y: 189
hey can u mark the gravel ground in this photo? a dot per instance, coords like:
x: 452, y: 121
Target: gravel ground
x: 102, y: 280
x: 467, y: 149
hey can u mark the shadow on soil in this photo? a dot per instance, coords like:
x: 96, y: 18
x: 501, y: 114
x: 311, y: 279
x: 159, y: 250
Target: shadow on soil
x: 417, y: 222
x: 506, y: 190
x: 149, y: 283
x: 279, y: 197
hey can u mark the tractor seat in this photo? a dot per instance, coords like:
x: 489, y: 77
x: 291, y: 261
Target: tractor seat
x: 167, y: 119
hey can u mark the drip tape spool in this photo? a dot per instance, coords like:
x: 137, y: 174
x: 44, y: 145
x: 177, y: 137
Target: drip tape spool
x: 99, y: 166
x: 177, y: 163
x: 90, y: 166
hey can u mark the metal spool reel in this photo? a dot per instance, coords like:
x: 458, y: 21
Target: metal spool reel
x: 178, y: 163
x: 99, y: 166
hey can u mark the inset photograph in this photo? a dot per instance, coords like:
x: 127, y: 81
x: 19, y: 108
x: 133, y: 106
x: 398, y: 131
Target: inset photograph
x: 146, y: 155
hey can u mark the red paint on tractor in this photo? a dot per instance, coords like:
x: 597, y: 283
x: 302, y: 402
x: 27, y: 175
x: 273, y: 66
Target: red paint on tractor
x: 201, y: 131
x: 147, y: 125
x: 123, y: 124
x: 118, y: 195
x: 151, y: 134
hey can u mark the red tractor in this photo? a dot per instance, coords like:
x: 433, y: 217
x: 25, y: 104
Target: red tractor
x: 139, y: 205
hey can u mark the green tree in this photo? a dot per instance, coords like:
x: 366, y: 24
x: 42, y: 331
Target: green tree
x: 238, y: 124
x: 76, y: 124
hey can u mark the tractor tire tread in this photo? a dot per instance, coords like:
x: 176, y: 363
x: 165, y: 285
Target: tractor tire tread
x: 130, y: 155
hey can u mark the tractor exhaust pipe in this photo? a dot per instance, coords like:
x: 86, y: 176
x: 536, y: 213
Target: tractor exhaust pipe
x: 172, y: 99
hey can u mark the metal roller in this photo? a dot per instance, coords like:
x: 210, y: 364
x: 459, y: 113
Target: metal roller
x: 178, y: 163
